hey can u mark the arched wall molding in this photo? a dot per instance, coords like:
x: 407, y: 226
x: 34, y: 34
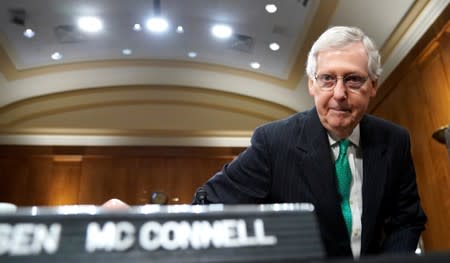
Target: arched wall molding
x: 56, y: 82
x: 165, y: 105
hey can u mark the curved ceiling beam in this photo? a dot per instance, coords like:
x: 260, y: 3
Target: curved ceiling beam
x: 140, y: 110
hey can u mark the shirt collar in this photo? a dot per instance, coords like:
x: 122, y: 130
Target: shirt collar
x: 353, y: 138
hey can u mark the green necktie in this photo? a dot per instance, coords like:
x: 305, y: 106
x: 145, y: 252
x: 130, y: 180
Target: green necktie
x: 344, y: 179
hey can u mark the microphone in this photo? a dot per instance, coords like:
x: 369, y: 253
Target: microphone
x: 200, y: 196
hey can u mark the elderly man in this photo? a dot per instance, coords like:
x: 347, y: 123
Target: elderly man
x: 355, y: 169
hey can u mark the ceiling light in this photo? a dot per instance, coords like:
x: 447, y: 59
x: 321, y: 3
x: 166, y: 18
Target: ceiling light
x: 274, y: 46
x: 90, y: 24
x: 222, y: 31
x: 180, y: 29
x: 271, y: 8
x: 127, y: 51
x: 192, y: 54
x: 29, y: 33
x: 157, y: 24
x: 56, y: 56
x: 137, y: 27
x: 255, y: 65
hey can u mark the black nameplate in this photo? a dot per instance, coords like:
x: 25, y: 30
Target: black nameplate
x: 161, y: 234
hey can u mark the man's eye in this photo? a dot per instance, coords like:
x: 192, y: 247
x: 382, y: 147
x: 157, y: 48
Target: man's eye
x: 354, y: 79
x: 327, y: 77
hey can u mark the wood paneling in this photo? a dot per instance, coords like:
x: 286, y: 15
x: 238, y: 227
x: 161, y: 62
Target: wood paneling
x: 39, y: 181
x: 64, y: 183
x: 417, y: 96
x: 14, y: 179
x: 41, y: 175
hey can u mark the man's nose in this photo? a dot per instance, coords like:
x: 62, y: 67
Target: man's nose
x: 340, y: 91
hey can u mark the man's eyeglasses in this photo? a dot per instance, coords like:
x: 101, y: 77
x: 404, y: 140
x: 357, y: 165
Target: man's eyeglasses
x: 353, y: 82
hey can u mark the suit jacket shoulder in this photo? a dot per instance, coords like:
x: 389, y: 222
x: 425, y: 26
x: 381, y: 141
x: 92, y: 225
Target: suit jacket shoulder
x: 382, y: 127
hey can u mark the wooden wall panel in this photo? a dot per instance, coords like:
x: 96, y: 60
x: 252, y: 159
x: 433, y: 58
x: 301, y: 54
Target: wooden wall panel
x: 42, y: 175
x: 64, y: 183
x: 417, y: 96
x: 122, y: 179
x: 94, y: 183
x: 39, y: 181
x: 434, y: 82
x: 152, y: 176
x: 14, y: 179
x: 187, y: 174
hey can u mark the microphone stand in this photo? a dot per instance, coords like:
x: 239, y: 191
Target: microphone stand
x: 200, y: 196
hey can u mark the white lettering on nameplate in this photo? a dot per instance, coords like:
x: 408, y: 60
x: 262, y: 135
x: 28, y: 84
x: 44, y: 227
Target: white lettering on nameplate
x: 173, y: 235
x: 29, y: 239
x: 112, y: 237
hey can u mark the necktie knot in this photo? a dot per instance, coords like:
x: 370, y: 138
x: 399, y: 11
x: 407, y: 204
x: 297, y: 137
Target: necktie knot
x: 343, y: 146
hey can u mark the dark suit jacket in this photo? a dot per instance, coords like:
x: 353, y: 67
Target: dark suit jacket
x: 290, y: 161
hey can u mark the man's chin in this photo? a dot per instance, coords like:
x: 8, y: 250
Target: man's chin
x: 340, y: 125
x: 340, y: 122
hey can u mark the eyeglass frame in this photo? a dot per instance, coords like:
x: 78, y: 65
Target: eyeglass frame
x: 344, y: 80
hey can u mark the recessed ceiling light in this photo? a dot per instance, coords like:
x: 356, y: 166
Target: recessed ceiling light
x: 271, y: 8
x: 192, y: 54
x: 222, y: 31
x: 157, y: 24
x: 127, y: 51
x: 56, y: 56
x: 274, y: 46
x: 90, y: 24
x: 180, y: 29
x: 29, y: 33
x: 255, y: 65
x: 137, y: 27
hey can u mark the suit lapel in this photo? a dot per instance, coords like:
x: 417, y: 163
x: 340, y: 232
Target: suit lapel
x: 319, y: 174
x: 374, y: 176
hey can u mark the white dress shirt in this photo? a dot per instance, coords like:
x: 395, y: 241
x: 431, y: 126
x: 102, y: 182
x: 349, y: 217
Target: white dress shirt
x: 354, y: 155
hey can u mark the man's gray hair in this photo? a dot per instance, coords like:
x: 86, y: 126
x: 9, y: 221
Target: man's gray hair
x: 339, y: 37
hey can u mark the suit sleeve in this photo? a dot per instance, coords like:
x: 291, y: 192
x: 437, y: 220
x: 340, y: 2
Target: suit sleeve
x: 246, y: 179
x: 404, y: 227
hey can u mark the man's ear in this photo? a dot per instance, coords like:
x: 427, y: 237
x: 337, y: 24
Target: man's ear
x: 311, y: 89
x: 374, y: 89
